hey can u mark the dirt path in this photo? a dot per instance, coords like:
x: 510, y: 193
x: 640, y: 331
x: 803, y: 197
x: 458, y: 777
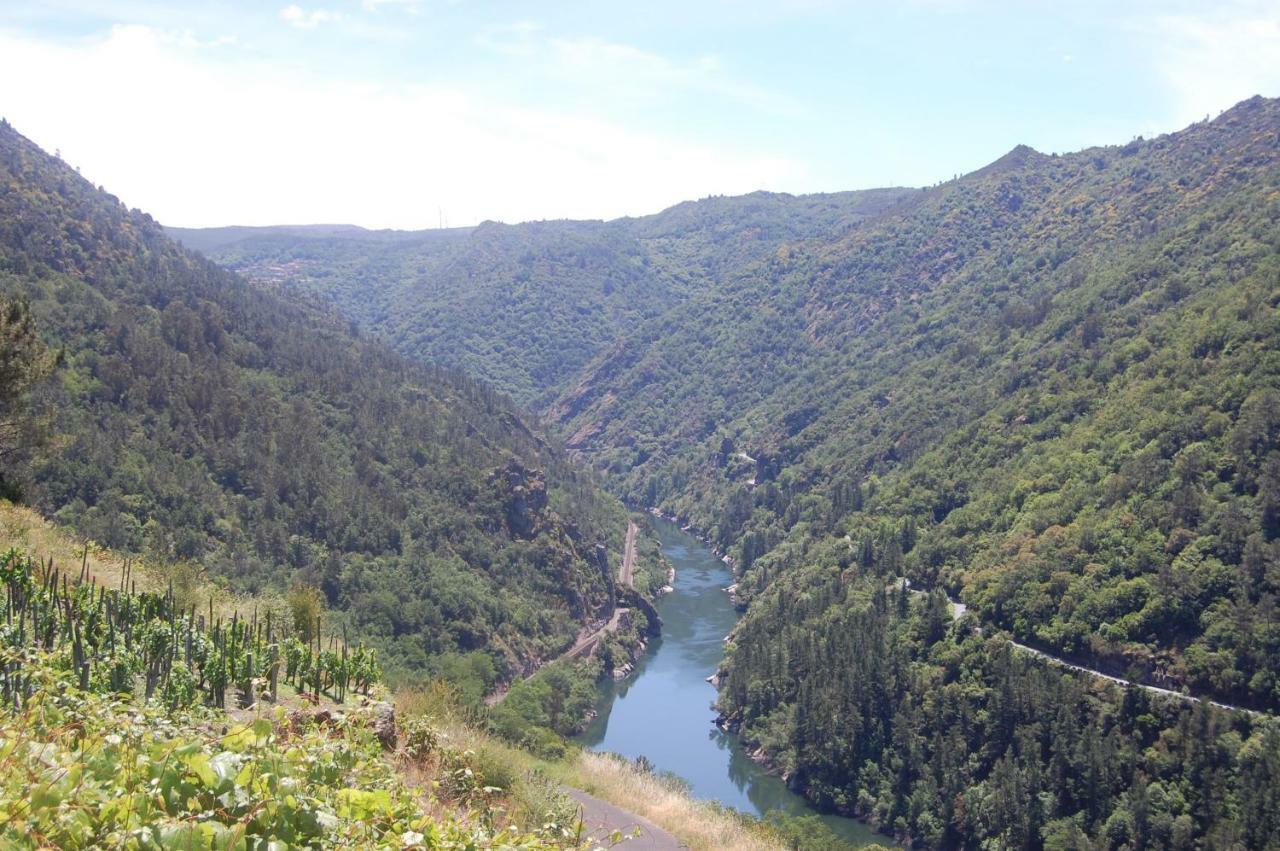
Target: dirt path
x: 601, y: 819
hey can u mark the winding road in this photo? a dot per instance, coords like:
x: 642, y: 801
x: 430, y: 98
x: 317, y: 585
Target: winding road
x: 958, y: 610
x: 1072, y: 666
x: 592, y: 635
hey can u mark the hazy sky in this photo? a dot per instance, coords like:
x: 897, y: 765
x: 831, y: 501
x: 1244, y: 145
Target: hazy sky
x: 396, y: 113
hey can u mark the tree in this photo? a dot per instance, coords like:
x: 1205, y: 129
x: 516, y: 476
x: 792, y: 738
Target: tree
x: 24, y: 362
x: 306, y: 604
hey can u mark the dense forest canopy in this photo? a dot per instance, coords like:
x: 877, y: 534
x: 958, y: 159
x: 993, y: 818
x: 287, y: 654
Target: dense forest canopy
x: 1047, y: 391
x: 1049, y: 387
x: 24, y: 362
x: 526, y: 307
x: 200, y: 419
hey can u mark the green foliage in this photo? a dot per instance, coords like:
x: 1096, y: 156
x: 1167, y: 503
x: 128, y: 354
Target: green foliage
x: 120, y: 641
x: 80, y: 770
x: 201, y: 419
x: 538, y: 713
x: 306, y: 606
x: 804, y: 833
x: 963, y: 742
x: 24, y: 362
x: 1062, y: 414
x: 527, y: 307
x: 1048, y: 387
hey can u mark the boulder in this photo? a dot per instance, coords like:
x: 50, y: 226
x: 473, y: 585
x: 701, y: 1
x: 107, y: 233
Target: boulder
x: 384, y: 725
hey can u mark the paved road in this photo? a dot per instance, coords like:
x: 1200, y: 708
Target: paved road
x: 601, y: 818
x: 958, y: 609
x: 1071, y: 666
x: 626, y: 573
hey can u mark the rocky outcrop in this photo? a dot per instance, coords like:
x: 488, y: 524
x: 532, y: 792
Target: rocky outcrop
x: 384, y: 725
x: 634, y: 599
x: 526, y: 498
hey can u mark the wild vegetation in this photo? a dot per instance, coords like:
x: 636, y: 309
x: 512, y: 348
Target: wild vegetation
x: 954, y: 738
x: 196, y: 419
x: 1046, y: 389
x: 526, y: 307
x: 24, y: 362
x: 116, y: 727
x: 111, y: 765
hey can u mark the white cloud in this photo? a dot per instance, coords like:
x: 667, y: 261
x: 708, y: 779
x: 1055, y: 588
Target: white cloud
x: 294, y: 15
x: 626, y: 72
x: 523, y: 38
x: 375, y: 5
x: 198, y: 140
x: 1215, y: 58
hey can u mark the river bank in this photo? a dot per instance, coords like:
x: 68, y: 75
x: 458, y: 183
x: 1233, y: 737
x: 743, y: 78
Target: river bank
x: 664, y: 711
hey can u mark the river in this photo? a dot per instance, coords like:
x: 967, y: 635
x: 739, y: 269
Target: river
x: 663, y: 711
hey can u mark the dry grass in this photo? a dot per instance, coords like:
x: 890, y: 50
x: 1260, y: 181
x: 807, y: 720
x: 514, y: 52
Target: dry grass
x: 24, y: 529
x: 702, y: 825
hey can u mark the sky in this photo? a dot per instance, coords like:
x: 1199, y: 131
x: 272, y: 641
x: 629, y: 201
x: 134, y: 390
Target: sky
x: 418, y: 113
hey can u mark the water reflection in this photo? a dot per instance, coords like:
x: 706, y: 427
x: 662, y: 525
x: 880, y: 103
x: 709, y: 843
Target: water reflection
x: 663, y: 712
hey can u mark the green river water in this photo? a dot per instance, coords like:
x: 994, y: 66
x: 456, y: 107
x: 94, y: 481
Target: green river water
x: 663, y: 711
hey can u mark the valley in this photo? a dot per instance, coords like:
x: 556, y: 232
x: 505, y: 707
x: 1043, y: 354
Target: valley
x: 664, y: 712
x: 1046, y: 391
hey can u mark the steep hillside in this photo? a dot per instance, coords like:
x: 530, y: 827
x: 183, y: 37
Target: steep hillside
x: 526, y: 307
x: 131, y: 720
x: 145, y: 723
x: 198, y: 418
x: 1055, y: 374
x: 1048, y: 390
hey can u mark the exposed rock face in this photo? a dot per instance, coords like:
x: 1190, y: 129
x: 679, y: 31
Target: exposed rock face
x: 526, y: 498
x: 633, y: 599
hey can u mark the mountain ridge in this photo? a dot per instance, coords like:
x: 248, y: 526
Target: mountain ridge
x: 524, y: 306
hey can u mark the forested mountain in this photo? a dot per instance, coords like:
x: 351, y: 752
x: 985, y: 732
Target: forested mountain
x: 1049, y: 389
x: 197, y: 418
x: 1055, y: 378
x: 526, y: 307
